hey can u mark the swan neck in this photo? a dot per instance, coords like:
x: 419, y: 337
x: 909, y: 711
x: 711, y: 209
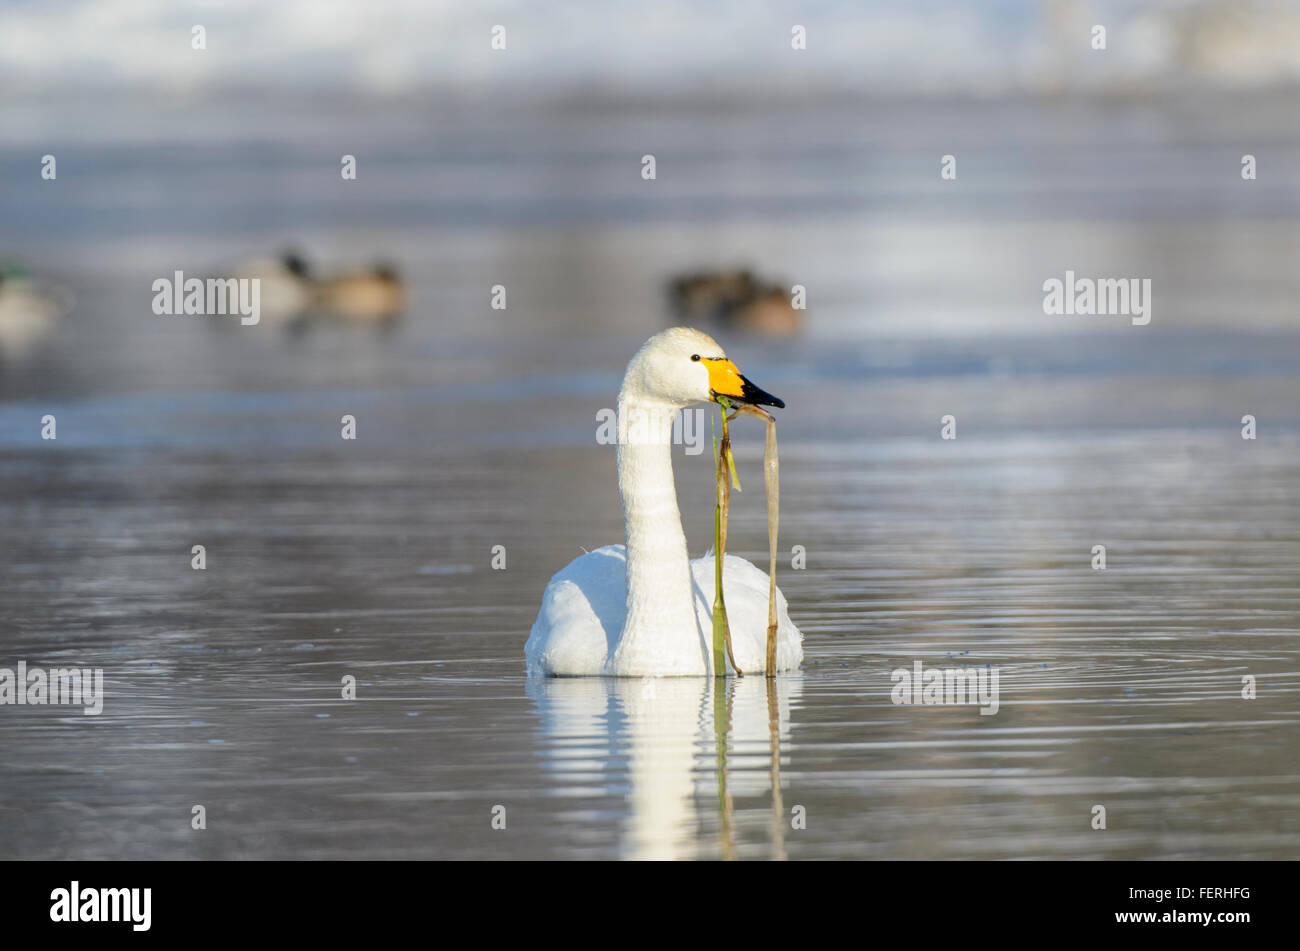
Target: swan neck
x: 661, y: 619
x: 645, y: 482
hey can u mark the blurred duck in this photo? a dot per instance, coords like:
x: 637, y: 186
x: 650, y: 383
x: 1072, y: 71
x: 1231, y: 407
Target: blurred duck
x: 293, y: 294
x: 287, y: 290
x: 735, y: 300
x: 373, y: 296
x: 767, y: 312
x: 29, y: 310
x: 703, y: 296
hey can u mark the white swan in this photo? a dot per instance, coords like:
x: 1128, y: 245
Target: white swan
x: 646, y: 610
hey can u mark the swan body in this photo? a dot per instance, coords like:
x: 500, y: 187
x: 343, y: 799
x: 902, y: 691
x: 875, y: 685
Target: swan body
x: 584, y: 609
x: 644, y: 609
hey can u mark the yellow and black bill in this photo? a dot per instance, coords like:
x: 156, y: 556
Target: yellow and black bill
x: 726, y: 380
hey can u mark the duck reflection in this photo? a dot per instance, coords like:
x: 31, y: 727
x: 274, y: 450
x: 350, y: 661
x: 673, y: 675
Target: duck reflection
x: 681, y: 748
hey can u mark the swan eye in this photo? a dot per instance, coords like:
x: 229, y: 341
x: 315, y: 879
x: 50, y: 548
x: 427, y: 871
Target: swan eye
x: 695, y: 357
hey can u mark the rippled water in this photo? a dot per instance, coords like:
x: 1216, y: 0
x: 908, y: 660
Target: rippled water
x: 1119, y: 687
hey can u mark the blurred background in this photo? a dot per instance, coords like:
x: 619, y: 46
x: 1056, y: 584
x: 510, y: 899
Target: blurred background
x: 522, y: 167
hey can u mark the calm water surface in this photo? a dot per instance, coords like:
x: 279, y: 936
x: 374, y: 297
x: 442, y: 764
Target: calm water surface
x: 1119, y: 688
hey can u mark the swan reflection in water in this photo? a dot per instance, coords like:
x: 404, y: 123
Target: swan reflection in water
x: 682, y: 749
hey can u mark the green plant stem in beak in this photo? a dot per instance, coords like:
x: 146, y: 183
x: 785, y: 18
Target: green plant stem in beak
x: 771, y: 471
x: 725, y: 468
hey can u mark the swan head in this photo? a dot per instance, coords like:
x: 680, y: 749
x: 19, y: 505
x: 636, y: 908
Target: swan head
x: 681, y: 366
